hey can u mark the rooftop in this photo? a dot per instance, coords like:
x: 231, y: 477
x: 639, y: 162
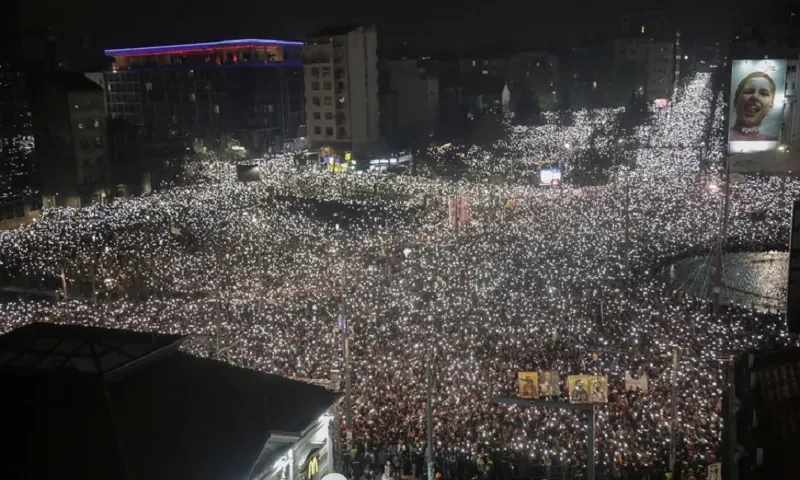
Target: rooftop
x: 190, y: 48
x: 48, y: 347
x: 174, y: 417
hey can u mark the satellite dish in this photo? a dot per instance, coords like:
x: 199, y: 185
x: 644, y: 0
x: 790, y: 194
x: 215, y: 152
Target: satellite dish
x: 334, y: 476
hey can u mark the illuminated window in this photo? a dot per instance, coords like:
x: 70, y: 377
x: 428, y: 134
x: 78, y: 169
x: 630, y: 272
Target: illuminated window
x: 96, y: 123
x: 98, y: 142
x: 80, y: 126
x: 642, y: 28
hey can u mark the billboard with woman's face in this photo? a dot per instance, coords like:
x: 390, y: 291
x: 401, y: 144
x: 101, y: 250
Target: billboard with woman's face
x: 756, y: 105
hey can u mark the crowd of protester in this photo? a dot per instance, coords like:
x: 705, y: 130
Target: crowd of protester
x: 539, y: 279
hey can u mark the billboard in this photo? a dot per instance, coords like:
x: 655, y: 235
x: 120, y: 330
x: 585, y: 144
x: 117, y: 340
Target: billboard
x: 248, y: 173
x: 756, y: 105
x: 550, y: 176
x: 528, y: 385
x: 587, y: 388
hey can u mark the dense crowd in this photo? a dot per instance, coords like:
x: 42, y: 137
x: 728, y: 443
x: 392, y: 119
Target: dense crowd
x: 540, y: 279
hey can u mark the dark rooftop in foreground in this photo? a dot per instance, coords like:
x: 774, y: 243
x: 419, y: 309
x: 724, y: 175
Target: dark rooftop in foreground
x: 109, y: 404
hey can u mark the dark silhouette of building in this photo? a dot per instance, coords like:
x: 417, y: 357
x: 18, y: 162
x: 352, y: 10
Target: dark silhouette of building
x: 70, y: 132
x: 94, y: 403
x: 18, y: 190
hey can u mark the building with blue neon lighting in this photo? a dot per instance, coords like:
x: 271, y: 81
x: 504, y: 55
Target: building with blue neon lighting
x: 215, y: 95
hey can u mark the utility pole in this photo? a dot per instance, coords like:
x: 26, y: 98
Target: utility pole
x: 719, y: 264
x: 627, y: 217
x: 429, y: 413
x: 218, y: 327
x: 673, y: 400
x: 344, y: 325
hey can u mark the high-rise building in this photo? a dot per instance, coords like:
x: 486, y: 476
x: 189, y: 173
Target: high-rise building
x: 217, y: 95
x: 341, y: 89
x: 17, y: 175
x: 70, y: 132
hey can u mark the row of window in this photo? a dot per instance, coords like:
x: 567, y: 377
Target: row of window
x: 329, y: 131
x: 87, y: 145
x: 315, y: 71
x: 316, y: 101
x: 88, y: 161
x: 95, y: 124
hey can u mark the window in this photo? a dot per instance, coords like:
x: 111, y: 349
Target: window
x: 327, y: 85
x: 80, y: 126
x: 328, y: 115
x: 87, y: 180
x: 326, y: 71
x: 317, y: 130
x: 316, y: 115
x: 315, y: 71
x: 328, y: 101
x: 87, y: 162
x: 98, y: 142
x: 84, y: 144
x: 340, y: 86
x: 96, y: 123
x: 342, y: 132
x: 100, y: 160
x: 270, y: 108
x: 314, y: 85
x: 315, y: 101
x: 328, y: 131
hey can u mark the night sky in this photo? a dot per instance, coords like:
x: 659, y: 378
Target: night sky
x: 442, y: 23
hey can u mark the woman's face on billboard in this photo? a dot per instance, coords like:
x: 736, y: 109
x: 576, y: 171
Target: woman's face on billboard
x: 754, y: 102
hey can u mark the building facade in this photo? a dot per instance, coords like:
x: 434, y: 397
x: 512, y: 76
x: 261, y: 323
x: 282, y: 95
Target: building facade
x: 535, y: 74
x: 70, y: 133
x: 417, y: 94
x: 341, y: 90
x: 243, y: 93
x: 644, y: 69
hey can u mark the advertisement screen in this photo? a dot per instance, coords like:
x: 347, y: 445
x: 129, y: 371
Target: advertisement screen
x: 550, y: 176
x: 660, y: 103
x: 756, y: 105
x: 248, y: 173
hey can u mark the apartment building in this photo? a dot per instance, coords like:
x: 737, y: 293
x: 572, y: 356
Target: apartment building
x: 341, y: 91
x: 70, y: 134
x: 245, y: 93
